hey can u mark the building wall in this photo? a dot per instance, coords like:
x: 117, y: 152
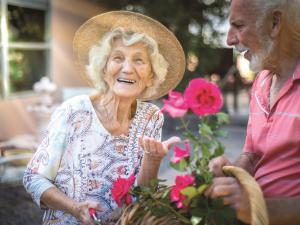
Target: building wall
x: 67, y: 16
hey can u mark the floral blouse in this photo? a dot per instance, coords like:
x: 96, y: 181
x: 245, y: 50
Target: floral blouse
x: 81, y: 158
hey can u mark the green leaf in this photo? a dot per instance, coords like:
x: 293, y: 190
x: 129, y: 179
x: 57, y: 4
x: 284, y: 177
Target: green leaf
x: 217, y: 203
x: 219, y: 151
x: 196, y: 220
x: 205, y: 130
x: 181, y: 166
x: 190, y: 192
x: 154, y: 182
x: 205, y: 151
x: 166, y: 193
x: 229, y: 213
x: 223, y: 118
x: 221, y: 133
x: 159, y: 211
x: 202, y: 188
x: 208, y: 176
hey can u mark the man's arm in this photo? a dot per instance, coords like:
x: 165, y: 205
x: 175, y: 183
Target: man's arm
x: 284, y: 210
x: 247, y: 161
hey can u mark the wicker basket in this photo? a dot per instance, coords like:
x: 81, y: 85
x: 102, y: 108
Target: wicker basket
x: 259, y: 214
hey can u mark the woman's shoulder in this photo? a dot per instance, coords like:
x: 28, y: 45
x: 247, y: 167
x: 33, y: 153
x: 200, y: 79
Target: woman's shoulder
x: 80, y: 102
x: 77, y: 102
x: 149, y: 108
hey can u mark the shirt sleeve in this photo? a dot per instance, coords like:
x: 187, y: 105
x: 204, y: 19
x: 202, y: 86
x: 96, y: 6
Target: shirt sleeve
x: 154, y: 126
x: 248, y: 140
x: 42, y: 169
x: 248, y: 146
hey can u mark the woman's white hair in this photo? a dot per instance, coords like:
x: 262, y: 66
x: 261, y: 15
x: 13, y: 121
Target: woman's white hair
x: 99, y: 54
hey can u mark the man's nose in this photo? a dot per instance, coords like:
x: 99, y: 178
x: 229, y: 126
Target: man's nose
x: 231, y: 38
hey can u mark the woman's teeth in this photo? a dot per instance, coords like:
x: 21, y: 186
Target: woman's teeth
x: 128, y: 81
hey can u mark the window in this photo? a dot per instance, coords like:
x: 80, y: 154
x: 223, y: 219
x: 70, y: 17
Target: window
x: 24, y: 44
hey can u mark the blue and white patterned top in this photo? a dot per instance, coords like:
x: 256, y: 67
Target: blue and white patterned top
x: 81, y: 158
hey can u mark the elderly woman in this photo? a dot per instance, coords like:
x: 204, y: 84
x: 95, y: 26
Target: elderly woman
x: 93, y: 140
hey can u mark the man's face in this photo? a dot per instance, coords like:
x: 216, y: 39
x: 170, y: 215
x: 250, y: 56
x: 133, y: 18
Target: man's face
x: 247, y: 35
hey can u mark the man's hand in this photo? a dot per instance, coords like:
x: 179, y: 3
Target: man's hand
x: 216, y: 165
x: 233, y: 194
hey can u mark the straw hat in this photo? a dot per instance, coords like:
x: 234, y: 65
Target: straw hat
x: 93, y: 30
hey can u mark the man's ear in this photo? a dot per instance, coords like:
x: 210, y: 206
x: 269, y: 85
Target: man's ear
x: 276, y: 23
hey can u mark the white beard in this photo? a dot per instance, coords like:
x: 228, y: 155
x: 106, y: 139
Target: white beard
x: 258, y: 60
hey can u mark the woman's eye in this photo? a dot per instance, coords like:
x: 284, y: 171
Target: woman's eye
x: 117, y: 58
x: 140, y: 61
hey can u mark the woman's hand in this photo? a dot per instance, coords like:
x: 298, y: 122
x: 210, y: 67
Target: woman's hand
x: 81, y: 211
x: 56, y: 199
x: 154, y: 153
x: 154, y: 149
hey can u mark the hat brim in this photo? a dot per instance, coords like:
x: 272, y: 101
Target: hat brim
x: 93, y: 30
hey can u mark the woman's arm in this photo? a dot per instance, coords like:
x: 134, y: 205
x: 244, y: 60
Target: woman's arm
x: 154, y: 149
x: 154, y: 152
x: 55, y: 199
x: 42, y: 168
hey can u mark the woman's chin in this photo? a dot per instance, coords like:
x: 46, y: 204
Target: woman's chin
x: 126, y: 94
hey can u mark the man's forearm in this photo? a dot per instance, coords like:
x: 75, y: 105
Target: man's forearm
x: 284, y: 211
x: 247, y: 161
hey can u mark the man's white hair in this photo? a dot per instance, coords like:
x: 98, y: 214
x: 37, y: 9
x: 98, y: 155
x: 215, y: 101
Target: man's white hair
x: 99, y: 54
x: 290, y: 9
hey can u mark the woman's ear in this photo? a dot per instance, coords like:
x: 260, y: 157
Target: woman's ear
x: 276, y: 23
x: 104, y: 70
x: 149, y: 82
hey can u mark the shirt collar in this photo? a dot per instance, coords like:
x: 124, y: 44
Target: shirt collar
x: 296, y: 75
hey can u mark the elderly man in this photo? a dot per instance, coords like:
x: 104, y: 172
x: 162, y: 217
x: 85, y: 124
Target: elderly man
x: 268, y: 33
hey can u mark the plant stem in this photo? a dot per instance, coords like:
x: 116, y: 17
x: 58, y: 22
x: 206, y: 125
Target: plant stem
x: 178, y: 215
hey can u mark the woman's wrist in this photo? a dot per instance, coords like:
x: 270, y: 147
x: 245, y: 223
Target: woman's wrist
x: 73, y: 208
x: 153, y: 158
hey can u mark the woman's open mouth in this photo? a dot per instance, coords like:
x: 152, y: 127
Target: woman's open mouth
x: 126, y: 81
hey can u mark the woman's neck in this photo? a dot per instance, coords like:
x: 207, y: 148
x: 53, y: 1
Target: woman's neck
x: 115, y: 113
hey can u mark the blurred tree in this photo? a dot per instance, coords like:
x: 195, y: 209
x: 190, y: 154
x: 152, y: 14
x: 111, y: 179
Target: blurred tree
x: 194, y: 22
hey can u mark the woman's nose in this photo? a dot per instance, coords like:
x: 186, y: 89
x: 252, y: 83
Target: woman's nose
x: 127, y: 66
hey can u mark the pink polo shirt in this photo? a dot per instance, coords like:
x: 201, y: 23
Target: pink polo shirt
x: 274, y: 134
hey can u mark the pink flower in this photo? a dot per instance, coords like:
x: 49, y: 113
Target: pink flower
x: 120, y: 190
x: 180, y: 154
x: 175, y: 105
x: 181, y: 182
x: 203, y: 97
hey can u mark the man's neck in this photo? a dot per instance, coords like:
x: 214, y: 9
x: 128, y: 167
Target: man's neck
x: 282, y: 65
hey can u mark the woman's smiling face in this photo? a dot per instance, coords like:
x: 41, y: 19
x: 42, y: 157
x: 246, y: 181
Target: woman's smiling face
x: 128, y: 70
